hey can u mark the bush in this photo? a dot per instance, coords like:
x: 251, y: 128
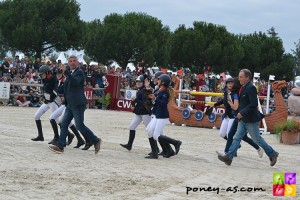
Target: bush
x: 105, y: 100
x: 290, y: 126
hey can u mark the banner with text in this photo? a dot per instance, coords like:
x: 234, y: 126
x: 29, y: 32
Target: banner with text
x: 4, y: 90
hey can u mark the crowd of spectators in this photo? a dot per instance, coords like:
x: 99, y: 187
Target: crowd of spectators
x: 25, y: 71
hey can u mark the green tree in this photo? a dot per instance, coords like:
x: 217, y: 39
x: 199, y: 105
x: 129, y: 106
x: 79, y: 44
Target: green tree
x: 262, y: 53
x: 205, y: 44
x: 34, y: 26
x: 272, y: 32
x: 296, y: 54
x: 129, y: 37
x: 283, y: 70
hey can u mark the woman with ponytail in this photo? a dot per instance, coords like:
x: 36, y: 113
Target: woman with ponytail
x: 155, y: 132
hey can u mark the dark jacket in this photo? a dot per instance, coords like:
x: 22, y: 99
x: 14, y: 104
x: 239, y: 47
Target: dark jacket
x: 248, y: 102
x: 74, y: 88
x: 49, y: 86
x: 228, y: 109
x: 161, y: 104
x: 60, y: 87
x: 138, y: 103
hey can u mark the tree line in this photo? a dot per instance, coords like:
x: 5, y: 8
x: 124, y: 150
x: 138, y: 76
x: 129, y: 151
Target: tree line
x: 39, y: 27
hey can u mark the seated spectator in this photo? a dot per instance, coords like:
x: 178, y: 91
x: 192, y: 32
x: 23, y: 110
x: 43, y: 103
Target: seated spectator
x: 34, y: 99
x: 11, y: 101
x: 21, y: 101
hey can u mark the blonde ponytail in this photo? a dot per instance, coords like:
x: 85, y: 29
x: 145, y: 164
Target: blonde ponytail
x: 171, y: 93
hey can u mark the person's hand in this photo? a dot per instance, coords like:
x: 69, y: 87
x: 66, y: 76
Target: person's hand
x: 152, y: 96
x: 239, y: 116
x: 132, y: 107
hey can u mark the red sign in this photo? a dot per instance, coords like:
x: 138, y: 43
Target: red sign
x: 88, y: 92
x: 121, y: 104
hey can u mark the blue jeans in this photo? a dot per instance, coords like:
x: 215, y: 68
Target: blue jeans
x: 76, y: 112
x: 232, y: 132
x: 253, y: 129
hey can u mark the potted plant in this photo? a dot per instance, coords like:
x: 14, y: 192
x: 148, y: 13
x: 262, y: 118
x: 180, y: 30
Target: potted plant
x: 288, y: 131
x: 105, y: 101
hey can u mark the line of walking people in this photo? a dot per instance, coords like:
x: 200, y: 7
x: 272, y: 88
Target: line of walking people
x: 241, y: 117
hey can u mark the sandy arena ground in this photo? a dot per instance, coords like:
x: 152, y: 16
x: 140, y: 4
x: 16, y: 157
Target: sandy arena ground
x: 29, y: 170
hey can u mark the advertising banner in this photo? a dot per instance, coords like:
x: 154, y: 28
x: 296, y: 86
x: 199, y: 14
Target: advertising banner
x: 4, y: 90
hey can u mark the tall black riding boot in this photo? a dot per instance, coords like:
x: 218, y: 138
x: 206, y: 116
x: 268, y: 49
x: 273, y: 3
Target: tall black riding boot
x: 40, y: 136
x: 163, y: 147
x: 80, y: 141
x: 154, y: 154
x: 88, y: 143
x: 158, y: 150
x: 128, y: 146
x: 169, y: 151
x: 176, y: 143
x: 55, y: 130
x: 70, y: 137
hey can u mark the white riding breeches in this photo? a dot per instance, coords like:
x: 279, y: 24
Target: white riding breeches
x: 156, y: 128
x: 59, y: 113
x: 138, y: 119
x: 43, y: 109
x: 225, y: 126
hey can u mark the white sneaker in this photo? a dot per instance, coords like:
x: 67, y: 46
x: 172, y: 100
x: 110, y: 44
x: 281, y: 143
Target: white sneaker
x: 260, y: 152
x: 221, y: 153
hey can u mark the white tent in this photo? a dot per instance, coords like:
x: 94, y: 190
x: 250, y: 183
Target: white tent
x: 93, y: 63
x: 21, y: 56
x: 228, y: 76
x: 131, y: 66
x: 78, y: 54
x: 71, y: 52
x: 62, y: 57
x: 80, y: 58
x: 115, y: 64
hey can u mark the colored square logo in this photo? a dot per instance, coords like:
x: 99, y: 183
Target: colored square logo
x: 278, y: 190
x: 284, y: 184
x: 278, y: 178
x: 290, y: 178
x: 290, y: 190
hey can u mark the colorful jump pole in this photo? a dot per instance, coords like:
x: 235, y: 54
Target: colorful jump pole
x: 206, y: 93
x: 195, y: 93
x: 197, y: 102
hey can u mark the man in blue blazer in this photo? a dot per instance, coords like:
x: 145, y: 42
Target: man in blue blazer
x: 75, y: 102
x: 249, y: 119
